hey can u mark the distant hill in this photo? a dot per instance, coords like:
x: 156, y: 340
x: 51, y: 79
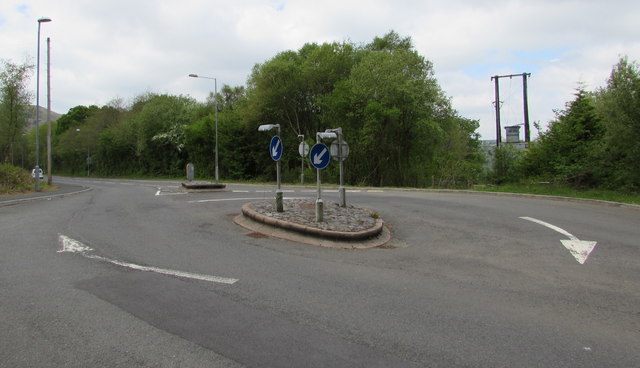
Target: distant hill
x: 31, y: 117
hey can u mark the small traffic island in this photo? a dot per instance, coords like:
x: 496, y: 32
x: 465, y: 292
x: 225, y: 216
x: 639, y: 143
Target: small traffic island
x: 202, y: 185
x: 349, y: 227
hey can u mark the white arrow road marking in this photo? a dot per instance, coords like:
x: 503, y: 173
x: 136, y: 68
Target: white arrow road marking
x: 317, y: 158
x: 274, y: 150
x: 579, y: 249
x: 73, y: 246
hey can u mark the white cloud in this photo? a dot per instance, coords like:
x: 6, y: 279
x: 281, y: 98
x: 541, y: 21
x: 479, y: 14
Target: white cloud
x: 104, y: 50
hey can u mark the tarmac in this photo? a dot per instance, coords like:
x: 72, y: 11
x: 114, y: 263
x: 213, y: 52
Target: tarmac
x: 272, y: 224
x: 60, y: 191
x: 293, y: 226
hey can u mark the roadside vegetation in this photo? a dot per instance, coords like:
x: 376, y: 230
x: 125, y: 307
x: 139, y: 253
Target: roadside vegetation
x: 14, y: 179
x: 563, y: 190
x: 400, y: 125
x: 592, y: 146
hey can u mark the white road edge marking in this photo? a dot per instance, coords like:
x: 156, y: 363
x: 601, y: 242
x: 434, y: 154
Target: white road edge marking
x: 235, y: 199
x: 579, y: 249
x: 70, y: 245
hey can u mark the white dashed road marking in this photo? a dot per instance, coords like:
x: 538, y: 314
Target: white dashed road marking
x: 70, y: 245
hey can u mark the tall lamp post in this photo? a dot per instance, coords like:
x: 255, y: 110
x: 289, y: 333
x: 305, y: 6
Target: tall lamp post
x: 215, y: 100
x: 37, y: 168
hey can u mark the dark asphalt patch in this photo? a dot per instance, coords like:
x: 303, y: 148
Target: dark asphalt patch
x: 246, y: 334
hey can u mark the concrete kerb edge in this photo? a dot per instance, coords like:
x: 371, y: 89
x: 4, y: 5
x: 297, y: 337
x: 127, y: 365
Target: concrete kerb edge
x: 14, y: 202
x: 201, y: 186
x: 279, y: 233
x: 307, y: 230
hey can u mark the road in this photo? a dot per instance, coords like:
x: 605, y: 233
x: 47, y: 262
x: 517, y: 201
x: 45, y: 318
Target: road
x: 109, y: 278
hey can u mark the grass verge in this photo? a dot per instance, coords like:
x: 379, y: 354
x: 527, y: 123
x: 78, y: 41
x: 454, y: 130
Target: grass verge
x: 564, y: 191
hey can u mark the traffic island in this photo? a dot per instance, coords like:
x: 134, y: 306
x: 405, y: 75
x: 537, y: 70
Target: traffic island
x: 349, y: 227
x: 202, y: 185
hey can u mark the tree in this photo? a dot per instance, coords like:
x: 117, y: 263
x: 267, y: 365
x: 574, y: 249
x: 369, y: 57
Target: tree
x: 14, y: 100
x: 386, y: 99
x: 74, y: 117
x: 159, y: 123
x: 568, y: 151
x: 619, y: 106
x: 407, y: 132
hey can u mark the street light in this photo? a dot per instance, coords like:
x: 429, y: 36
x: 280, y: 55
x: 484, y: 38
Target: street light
x: 341, y: 190
x: 37, y: 168
x: 279, y: 194
x: 215, y: 99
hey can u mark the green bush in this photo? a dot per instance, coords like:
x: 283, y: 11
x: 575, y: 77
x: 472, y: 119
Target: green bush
x: 14, y: 179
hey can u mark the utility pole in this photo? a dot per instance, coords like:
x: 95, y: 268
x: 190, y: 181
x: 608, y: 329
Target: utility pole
x: 527, y: 132
x: 497, y: 103
x: 49, y: 174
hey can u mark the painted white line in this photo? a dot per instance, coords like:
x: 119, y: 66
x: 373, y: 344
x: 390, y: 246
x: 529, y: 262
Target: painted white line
x: 579, y: 249
x: 73, y: 246
x: 236, y: 199
x: 375, y: 191
x: 240, y: 191
x: 225, y: 200
x: 264, y: 191
x: 354, y: 191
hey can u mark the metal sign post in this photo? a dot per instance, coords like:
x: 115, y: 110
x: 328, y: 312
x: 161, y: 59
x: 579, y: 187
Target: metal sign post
x: 275, y: 151
x: 303, y: 149
x: 320, y: 157
x: 340, y: 151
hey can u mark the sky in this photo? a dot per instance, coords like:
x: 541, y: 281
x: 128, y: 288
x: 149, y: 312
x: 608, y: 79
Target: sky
x: 102, y: 51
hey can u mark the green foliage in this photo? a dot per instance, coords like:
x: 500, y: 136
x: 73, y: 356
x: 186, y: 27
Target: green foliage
x: 14, y: 100
x: 619, y: 106
x: 506, y: 165
x: 400, y: 126
x: 595, y: 141
x: 74, y: 118
x: 14, y: 179
x: 568, y: 151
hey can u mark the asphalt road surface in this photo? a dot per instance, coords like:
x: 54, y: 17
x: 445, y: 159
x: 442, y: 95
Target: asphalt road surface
x: 136, y: 274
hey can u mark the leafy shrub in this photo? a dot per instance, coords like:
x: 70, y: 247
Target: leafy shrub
x: 14, y: 179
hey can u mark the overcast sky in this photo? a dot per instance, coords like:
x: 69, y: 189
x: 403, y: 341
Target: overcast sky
x: 107, y: 49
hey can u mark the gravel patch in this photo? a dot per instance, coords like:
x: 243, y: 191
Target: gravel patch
x: 303, y: 212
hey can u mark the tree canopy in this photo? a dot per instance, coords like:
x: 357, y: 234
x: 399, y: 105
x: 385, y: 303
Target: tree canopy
x: 398, y: 122
x: 14, y: 100
x: 595, y: 140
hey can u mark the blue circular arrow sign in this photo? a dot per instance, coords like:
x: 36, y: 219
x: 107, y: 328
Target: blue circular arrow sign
x: 319, y: 156
x: 275, y: 148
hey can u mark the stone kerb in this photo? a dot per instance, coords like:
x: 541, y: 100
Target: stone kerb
x: 311, y: 230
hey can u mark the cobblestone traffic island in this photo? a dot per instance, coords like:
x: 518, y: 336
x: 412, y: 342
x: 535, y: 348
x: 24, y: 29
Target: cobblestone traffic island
x: 348, y: 223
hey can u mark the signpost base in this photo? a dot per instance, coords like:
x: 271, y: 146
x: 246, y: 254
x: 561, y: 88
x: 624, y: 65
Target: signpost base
x: 342, y: 196
x: 37, y: 177
x: 279, y: 205
x: 319, y: 210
